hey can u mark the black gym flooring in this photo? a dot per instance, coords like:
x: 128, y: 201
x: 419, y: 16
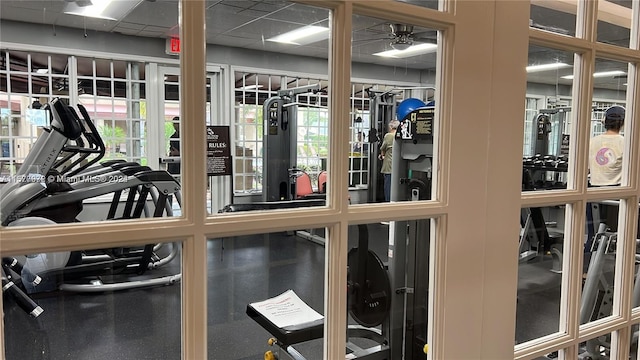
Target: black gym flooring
x: 145, y: 323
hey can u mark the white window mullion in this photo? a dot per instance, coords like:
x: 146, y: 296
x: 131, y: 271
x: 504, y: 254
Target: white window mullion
x: 507, y: 32
x: 73, y: 81
x: 194, y: 184
x: 571, y: 294
x: 336, y: 247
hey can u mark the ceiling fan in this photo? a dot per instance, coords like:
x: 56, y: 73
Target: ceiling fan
x: 403, y: 36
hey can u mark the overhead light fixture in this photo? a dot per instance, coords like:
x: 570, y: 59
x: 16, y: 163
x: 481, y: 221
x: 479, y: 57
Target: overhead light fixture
x: 302, y: 36
x: 250, y: 87
x: 609, y: 73
x: 600, y: 74
x: 42, y: 71
x: 101, y: 9
x: 413, y: 50
x: 546, y: 67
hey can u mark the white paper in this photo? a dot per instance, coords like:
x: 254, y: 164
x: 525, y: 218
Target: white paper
x: 286, y: 309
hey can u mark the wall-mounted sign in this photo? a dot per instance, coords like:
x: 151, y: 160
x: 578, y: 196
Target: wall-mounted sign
x: 418, y: 125
x: 173, y: 46
x: 564, y: 146
x: 218, y: 151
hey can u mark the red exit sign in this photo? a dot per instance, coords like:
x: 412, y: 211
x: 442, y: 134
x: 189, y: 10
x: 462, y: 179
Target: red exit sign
x: 173, y: 46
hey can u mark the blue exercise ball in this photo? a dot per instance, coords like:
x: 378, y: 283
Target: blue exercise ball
x: 407, y: 106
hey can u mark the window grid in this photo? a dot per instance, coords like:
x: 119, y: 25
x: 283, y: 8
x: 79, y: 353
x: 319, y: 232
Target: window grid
x: 113, y: 100
x: 249, y: 130
x: 619, y: 323
x: 17, y: 133
x: 360, y: 125
x: 112, y: 111
x: 312, y: 127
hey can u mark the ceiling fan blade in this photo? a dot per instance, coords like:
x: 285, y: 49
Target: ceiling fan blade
x: 426, y: 34
x: 426, y: 40
x: 371, y: 39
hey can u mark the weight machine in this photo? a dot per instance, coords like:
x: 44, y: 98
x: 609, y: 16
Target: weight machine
x: 410, y: 241
x: 387, y: 302
x: 279, y: 156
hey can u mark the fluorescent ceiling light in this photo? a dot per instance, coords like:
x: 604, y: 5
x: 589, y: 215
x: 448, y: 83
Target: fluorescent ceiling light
x: 546, y: 67
x: 42, y: 71
x: 302, y: 36
x: 609, y: 73
x: 249, y: 87
x: 600, y: 74
x: 414, y: 50
x: 101, y: 9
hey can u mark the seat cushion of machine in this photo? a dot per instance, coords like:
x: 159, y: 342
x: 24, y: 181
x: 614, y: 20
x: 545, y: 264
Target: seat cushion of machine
x: 289, y: 335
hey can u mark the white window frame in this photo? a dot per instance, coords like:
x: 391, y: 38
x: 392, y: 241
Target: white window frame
x: 474, y: 272
x: 571, y: 333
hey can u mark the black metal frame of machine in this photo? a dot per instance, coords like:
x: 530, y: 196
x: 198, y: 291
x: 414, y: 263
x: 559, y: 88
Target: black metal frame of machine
x: 389, y: 303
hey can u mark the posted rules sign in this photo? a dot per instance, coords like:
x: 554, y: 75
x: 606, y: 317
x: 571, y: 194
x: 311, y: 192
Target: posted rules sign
x: 218, y: 151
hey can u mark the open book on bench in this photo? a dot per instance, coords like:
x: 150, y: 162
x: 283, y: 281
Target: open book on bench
x: 288, y: 318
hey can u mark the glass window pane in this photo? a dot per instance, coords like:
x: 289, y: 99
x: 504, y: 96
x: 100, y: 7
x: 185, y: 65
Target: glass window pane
x: 596, y: 348
x: 614, y: 22
x: 599, y: 266
x: 114, y: 108
x: 105, y: 190
x: 280, y: 121
x: 633, y: 351
x: 397, y: 122
x: 246, y: 270
x: 40, y: 84
x: 540, y: 272
x: 104, y: 68
x: 410, y: 245
x: 635, y: 300
x: 58, y: 63
x: 606, y: 127
x: 78, y: 304
x: 252, y: 269
x: 431, y: 4
x: 547, y: 131
x: 555, y: 16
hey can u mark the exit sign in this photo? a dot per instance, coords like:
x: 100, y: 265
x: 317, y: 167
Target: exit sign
x: 173, y: 46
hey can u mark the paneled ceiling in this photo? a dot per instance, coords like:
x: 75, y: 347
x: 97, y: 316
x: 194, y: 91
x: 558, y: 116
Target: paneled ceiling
x: 249, y: 23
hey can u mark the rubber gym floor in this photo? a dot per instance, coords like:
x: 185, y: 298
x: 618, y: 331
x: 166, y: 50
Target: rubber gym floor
x: 145, y: 323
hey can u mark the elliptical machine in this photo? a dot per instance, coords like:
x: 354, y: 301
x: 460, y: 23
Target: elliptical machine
x: 58, y: 175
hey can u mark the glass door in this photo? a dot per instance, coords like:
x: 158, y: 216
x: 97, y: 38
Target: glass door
x: 169, y: 137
